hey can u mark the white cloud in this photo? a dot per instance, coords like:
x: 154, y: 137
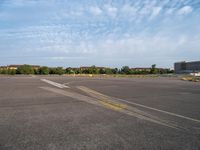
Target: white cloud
x: 127, y: 9
x: 95, y: 10
x: 116, y: 30
x: 170, y: 11
x: 156, y: 46
x: 22, y: 3
x: 57, y: 58
x: 111, y: 10
x: 156, y: 12
x: 76, y: 13
x: 60, y: 58
x: 185, y: 10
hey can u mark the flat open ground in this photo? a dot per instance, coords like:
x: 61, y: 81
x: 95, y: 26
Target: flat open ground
x: 58, y: 112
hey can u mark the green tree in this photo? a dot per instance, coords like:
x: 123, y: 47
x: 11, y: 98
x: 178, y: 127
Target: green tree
x: 102, y: 71
x: 153, y: 69
x: 52, y: 70
x: 93, y: 70
x: 77, y: 71
x: 69, y: 71
x: 11, y: 71
x: 115, y: 71
x: 60, y: 70
x: 44, y: 70
x: 36, y: 71
x: 125, y: 70
x: 85, y: 71
x: 25, y: 69
x: 108, y: 71
x: 4, y: 71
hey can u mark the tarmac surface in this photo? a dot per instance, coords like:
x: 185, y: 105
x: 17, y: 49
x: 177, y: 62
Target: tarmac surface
x: 58, y: 113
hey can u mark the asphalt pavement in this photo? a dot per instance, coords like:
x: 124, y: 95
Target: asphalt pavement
x: 63, y: 112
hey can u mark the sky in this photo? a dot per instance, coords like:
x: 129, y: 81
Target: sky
x: 111, y: 33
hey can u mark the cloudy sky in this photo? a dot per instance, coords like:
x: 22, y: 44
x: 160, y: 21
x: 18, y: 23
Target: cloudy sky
x: 111, y: 33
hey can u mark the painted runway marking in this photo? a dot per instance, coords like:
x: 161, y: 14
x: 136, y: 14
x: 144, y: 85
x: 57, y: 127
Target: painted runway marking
x: 129, y: 109
x: 113, y: 106
x: 97, y: 94
x: 101, y: 98
x: 166, y: 112
x: 55, y: 84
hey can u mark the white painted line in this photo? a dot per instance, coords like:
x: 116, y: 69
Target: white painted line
x: 55, y: 84
x: 91, y: 100
x: 166, y: 112
x: 140, y: 105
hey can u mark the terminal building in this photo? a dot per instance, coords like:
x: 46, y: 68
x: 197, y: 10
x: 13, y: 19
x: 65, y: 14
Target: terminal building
x: 187, y: 67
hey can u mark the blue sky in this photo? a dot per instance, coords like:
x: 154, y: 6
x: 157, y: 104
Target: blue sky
x: 111, y: 33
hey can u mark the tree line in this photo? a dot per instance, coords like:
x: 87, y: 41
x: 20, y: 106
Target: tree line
x: 28, y: 69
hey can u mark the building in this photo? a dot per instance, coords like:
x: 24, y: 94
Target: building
x: 187, y: 67
x: 84, y: 68
x: 141, y: 69
x: 10, y: 67
x: 15, y: 67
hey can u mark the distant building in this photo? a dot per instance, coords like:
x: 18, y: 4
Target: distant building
x: 3, y: 67
x: 149, y: 69
x: 141, y: 69
x: 36, y: 67
x: 11, y: 67
x: 187, y: 67
x: 86, y: 68
x: 15, y: 67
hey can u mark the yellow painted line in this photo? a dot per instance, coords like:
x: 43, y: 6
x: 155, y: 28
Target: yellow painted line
x: 102, y: 98
x: 119, y: 105
x: 97, y: 94
x: 162, y: 111
x: 138, y: 114
x: 110, y: 106
x: 124, y: 107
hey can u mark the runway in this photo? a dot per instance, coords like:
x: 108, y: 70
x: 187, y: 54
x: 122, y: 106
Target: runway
x: 59, y: 112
